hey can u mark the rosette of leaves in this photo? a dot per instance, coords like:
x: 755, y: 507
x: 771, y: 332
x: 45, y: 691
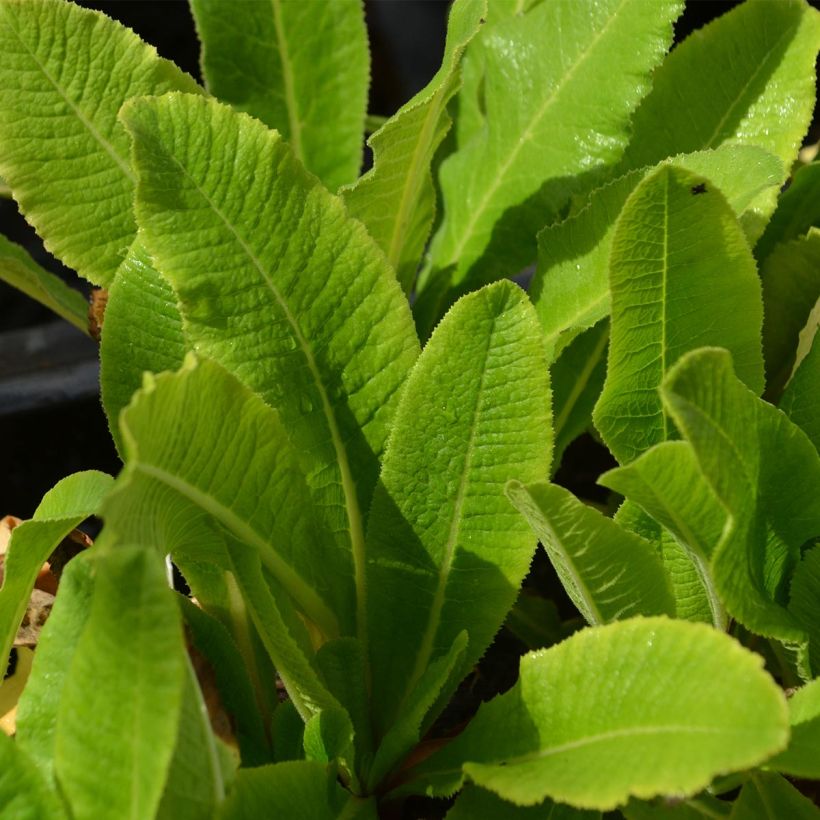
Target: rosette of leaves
x: 355, y: 513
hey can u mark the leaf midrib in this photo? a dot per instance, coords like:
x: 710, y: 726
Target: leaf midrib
x: 301, y: 592
x: 526, y: 136
x: 354, y: 515
x: 104, y: 143
x: 294, y: 123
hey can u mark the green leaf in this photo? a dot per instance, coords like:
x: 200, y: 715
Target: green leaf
x: 19, y: 270
x: 436, y: 564
x: 542, y: 142
x: 40, y: 702
x: 133, y: 632
x: 797, y: 210
x: 65, y: 73
x: 477, y: 804
x: 535, y: 621
x: 768, y: 796
x: 763, y: 53
x: 608, y: 572
x: 638, y: 708
x: 700, y: 807
x: 804, y: 595
x: 577, y: 377
x: 328, y: 735
x: 799, y: 400
x: 142, y: 332
x: 63, y: 508
x: 212, y: 638
x: 678, y: 259
x: 283, y: 289
x: 666, y: 482
x: 571, y: 285
x: 195, y: 784
x: 801, y: 758
x: 764, y: 470
x: 301, y: 68
x: 24, y: 793
x: 791, y: 288
x: 298, y: 790
x: 288, y: 730
x: 396, y: 199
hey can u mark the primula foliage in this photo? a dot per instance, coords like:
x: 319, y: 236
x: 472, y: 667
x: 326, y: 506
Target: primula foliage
x: 343, y: 423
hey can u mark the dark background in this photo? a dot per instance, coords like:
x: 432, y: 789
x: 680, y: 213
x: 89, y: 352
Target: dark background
x: 51, y: 423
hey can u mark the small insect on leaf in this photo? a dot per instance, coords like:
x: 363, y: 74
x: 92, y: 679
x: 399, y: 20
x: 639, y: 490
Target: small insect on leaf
x: 700, y: 188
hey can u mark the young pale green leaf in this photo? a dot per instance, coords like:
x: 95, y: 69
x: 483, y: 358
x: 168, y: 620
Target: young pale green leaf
x: 63, y: 508
x: 797, y: 211
x: 608, y: 572
x: 19, y: 270
x: 767, y: 796
x: 24, y: 793
x: 638, y: 708
x: 282, y: 288
x: 477, y: 804
x: 133, y: 632
x: 747, y: 77
x: 328, y: 735
x: 142, y: 332
x: 212, y: 639
x: 571, y: 285
x: 436, y: 564
x: 577, y: 377
x: 678, y: 258
x: 207, y: 458
x: 791, y: 288
x: 799, y: 400
x: 764, y: 470
x: 542, y: 142
x: 666, y: 482
x: 195, y: 784
x: 301, y: 68
x: 804, y: 595
x: 396, y: 199
x: 40, y: 702
x: 298, y: 790
x: 65, y: 73
x: 801, y: 758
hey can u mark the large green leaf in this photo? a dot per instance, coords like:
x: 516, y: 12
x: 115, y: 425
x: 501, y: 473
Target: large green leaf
x: 142, y: 332
x: 767, y: 796
x: 802, y: 756
x: 129, y: 715
x: 301, y: 68
x: 678, y: 259
x: 446, y: 551
x: 797, y: 211
x: 763, y: 55
x: 608, y: 572
x: 638, y: 708
x: 277, y: 284
x: 667, y: 483
x: 799, y: 400
x: 40, y: 702
x: 63, y: 508
x: 64, y: 75
x: 791, y: 288
x: 541, y: 142
x: 571, y: 285
x: 19, y: 270
x: 24, y: 794
x: 396, y: 199
x: 764, y: 470
x: 298, y: 790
